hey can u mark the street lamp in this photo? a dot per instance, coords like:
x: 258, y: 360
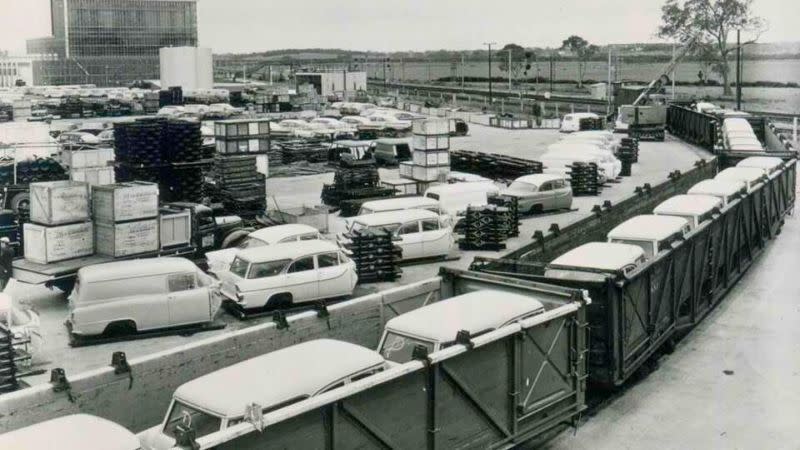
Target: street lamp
x: 490, y: 44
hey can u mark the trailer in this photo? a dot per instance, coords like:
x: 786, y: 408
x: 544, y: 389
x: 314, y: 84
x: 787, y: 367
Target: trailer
x: 633, y: 315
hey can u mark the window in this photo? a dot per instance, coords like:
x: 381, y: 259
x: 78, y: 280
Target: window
x: 251, y: 242
x: 363, y: 375
x: 239, y: 267
x: 332, y: 387
x: 233, y: 130
x: 409, y: 228
x: 522, y: 186
x: 243, y: 129
x: 432, y: 195
x: 202, y: 423
x: 267, y: 269
x: 328, y: 260
x: 558, y: 184
x: 302, y: 265
x: 430, y: 225
x: 546, y: 187
x: 181, y: 282
x: 309, y: 237
x: 399, y: 348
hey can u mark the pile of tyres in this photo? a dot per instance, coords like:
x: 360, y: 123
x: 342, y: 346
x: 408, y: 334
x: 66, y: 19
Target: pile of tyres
x: 628, y: 154
x: 487, y: 227
x: 164, y: 151
x: 356, y: 179
x: 376, y: 256
x: 492, y: 165
x: 585, y: 179
x: 8, y: 365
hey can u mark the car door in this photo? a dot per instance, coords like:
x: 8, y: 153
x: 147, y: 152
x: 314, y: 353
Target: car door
x: 545, y: 195
x: 410, y: 240
x: 333, y: 278
x: 302, y: 280
x: 436, y: 240
x: 188, y: 300
x: 562, y: 195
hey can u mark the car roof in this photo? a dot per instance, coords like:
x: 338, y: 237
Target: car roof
x: 648, y: 226
x: 72, y: 432
x: 144, y: 267
x: 761, y: 162
x: 400, y: 203
x: 286, y: 250
x: 717, y: 187
x: 600, y: 255
x: 694, y: 205
x: 539, y: 178
x: 388, y: 217
x: 300, y: 370
x: 474, y: 312
x: 271, y: 235
x: 463, y: 186
x: 749, y: 174
x: 569, y: 156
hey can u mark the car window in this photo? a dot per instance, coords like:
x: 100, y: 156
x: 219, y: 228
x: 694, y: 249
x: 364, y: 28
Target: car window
x: 302, y: 265
x: 409, y: 228
x: 430, y: 225
x: 239, y: 267
x: 309, y: 237
x: 399, y: 348
x: 558, y: 184
x: 181, y: 282
x: 548, y: 186
x: 202, y: 423
x: 328, y: 260
x: 288, y: 239
x: 251, y: 242
x: 267, y: 269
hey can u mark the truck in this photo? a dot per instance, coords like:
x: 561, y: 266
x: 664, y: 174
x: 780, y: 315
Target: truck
x: 645, y: 122
x: 208, y: 232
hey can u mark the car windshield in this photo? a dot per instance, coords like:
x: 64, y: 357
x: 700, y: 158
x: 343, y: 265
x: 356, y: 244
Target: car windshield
x: 202, y: 423
x: 239, y: 267
x: 523, y: 186
x: 399, y: 348
x: 390, y: 227
x: 251, y: 242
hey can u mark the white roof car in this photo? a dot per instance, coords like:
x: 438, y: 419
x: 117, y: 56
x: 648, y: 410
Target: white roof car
x: 736, y: 123
x: 311, y: 367
x: 221, y: 259
x: 750, y: 175
x: 539, y: 178
x: 287, y: 250
x: 393, y: 217
x: 398, y: 204
x: 649, y: 227
x: 724, y: 189
x: 135, y: 267
x: 767, y: 163
x: 605, y: 256
x: 694, y: 208
x: 438, y: 324
x: 73, y: 432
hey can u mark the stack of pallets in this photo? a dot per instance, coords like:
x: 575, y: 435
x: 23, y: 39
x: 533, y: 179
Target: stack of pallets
x: 8, y: 365
x: 512, y: 203
x: 375, y: 255
x: 354, y: 180
x: 311, y: 150
x: 628, y: 154
x: 239, y: 186
x: 492, y: 165
x: 486, y: 228
x: 584, y: 179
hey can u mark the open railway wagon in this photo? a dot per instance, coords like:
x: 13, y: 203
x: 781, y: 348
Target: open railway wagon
x: 633, y: 315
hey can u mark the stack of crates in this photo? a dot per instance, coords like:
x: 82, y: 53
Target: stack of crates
x: 60, y: 228
x: 487, y: 228
x: 151, y: 102
x: 430, y: 155
x: 375, y: 255
x: 238, y: 183
x: 584, y: 178
x: 94, y: 165
x: 512, y: 203
x: 8, y: 364
x: 628, y: 154
x: 126, y: 219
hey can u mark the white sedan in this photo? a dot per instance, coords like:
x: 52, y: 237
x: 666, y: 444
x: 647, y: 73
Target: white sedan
x: 420, y: 233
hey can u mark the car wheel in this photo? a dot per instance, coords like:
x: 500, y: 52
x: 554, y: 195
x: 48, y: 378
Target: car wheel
x: 536, y: 209
x: 279, y: 301
x: 120, y: 328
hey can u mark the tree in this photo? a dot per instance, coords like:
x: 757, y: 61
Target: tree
x: 517, y: 59
x: 711, y: 21
x: 581, y: 48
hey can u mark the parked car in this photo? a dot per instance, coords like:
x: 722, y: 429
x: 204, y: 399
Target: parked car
x: 71, y: 432
x: 221, y: 259
x: 654, y: 234
x: 540, y: 192
x: 751, y: 176
x: 420, y: 233
x: 454, y: 198
x: 572, y: 122
x: 594, y: 261
x: 289, y: 273
x: 435, y: 326
x: 694, y: 208
x: 399, y: 204
x: 220, y: 399
x: 611, y: 165
x: 558, y: 162
x: 391, y: 151
x: 388, y: 122
x: 362, y: 123
x: 140, y: 295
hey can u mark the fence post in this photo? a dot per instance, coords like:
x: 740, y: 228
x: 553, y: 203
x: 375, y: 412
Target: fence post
x: 794, y: 132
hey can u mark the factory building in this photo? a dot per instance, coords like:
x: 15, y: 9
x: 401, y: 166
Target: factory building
x: 331, y: 83
x: 15, y: 69
x: 111, y: 42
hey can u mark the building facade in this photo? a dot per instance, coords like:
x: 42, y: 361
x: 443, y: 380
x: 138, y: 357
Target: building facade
x: 333, y: 82
x: 111, y: 42
x: 15, y: 69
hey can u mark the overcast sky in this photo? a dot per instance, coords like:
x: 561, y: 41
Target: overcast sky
x: 384, y: 25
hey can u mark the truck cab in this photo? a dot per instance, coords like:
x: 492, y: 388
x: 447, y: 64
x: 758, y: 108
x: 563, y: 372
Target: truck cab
x: 208, y: 230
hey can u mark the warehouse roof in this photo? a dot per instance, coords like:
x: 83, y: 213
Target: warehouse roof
x: 649, y: 227
x: 73, y: 432
x: 286, y: 250
x: 302, y: 370
x: 692, y: 205
x: 600, y: 255
x: 474, y: 312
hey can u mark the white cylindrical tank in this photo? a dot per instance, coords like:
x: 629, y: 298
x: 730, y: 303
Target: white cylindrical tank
x: 188, y: 67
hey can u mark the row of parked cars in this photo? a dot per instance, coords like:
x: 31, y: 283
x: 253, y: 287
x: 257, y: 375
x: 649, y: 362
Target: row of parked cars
x: 315, y: 367
x: 595, y: 146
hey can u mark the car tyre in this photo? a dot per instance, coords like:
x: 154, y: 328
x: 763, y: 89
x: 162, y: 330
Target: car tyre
x: 536, y: 209
x: 283, y: 300
x: 120, y: 328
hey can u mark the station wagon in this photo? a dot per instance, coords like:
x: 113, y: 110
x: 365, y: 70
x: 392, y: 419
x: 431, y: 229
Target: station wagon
x: 140, y: 295
x: 419, y: 232
x: 540, y: 192
x: 283, y: 274
x: 595, y: 261
x: 435, y: 326
x: 272, y: 381
x: 221, y: 259
x: 654, y: 234
x: 72, y: 432
x: 726, y: 190
x: 694, y: 208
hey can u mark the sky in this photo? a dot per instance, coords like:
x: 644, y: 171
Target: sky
x: 384, y: 25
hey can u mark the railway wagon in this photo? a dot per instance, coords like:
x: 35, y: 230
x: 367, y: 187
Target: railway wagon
x: 487, y: 390
x: 633, y: 314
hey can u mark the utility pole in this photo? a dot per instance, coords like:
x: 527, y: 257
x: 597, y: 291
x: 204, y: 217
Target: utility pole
x: 490, y: 44
x: 738, y: 70
x: 551, y: 72
x: 672, y: 75
x: 462, y: 71
x: 608, y: 84
x: 509, y: 69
